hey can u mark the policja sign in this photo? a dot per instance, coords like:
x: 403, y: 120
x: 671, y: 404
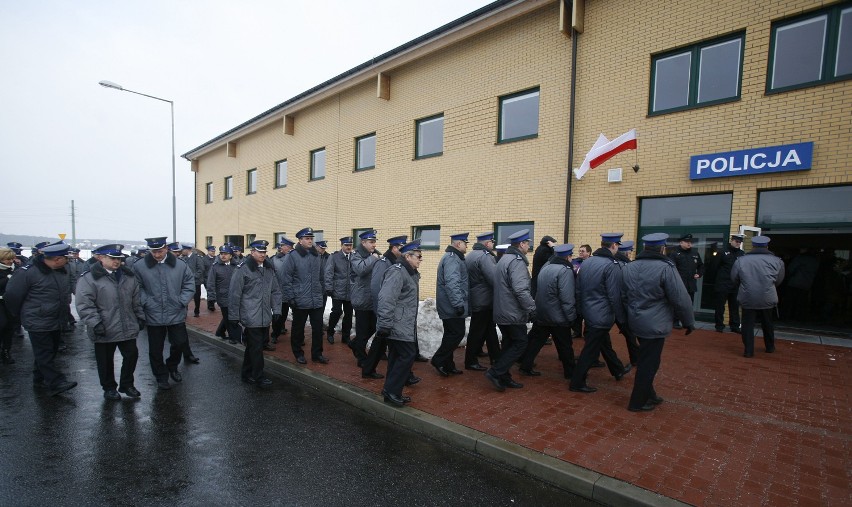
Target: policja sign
x: 774, y: 159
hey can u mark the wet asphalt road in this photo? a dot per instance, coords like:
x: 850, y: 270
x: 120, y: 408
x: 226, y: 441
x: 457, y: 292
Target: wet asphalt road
x: 213, y: 440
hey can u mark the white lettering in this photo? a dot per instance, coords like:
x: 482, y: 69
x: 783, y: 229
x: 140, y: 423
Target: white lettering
x: 721, y: 169
x: 734, y: 167
x: 792, y: 157
x: 777, y: 160
x: 702, y: 164
x: 754, y: 164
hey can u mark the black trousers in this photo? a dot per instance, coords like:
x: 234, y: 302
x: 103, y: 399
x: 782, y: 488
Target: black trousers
x: 232, y: 327
x: 278, y: 329
x: 482, y: 330
x: 650, y: 352
x: 377, y: 348
x: 733, y: 308
x: 105, y: 357
x: 7, y: 331
x: 178, y: 339
x: 401, y: 357
x: 197, y: 299
x: 561, y: 338
x: 630, y: 339
x: 767, y: 317
x: 453, y: 335
x: 45, y: 345
x: 340, y: 307
x: 253, y: 355
x: 365, y: 327
x: 597, y: 342
x: 516, y: 336
x: 297, y: 331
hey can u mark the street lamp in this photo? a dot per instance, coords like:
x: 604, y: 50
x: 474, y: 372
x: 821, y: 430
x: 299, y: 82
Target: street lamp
x: 110, y: 84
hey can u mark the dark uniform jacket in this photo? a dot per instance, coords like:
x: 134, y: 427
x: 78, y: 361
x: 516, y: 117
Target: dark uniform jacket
x: 543, y: 253
x: 196, y: 266
x: 301, y: 279
x: 654, y: 296
x: 219, y: 282
x: 208, y: 263
x: 513, y: 302
x: 727, y: 257
x: 379, y: 268
x: 39, y: 296
x: 112, y: 300
x: 758, y: 272
x: 398, y: 301
x: 6, y: 318
x: 481, y: 269
x: 362, y: 263
x: 337, y: 276
x: 75, y: 268
x: 688, y: 264
x: 555, y: 293
x: 453, y: 288
x: 254, y: 296
x: 599, y: 290
x: 166, y: 289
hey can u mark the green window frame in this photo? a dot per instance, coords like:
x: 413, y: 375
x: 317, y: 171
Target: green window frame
x: 318, y: 164
x: 424, y: 129
x: 363, y: 146
x: 208, y: 191
x: 356, y: 232
x: 281, y: 173
x: 208, y: 240
x: 834, y: 47
x: 251, y: 181
x: 433, y: 241
x: 502, y: 231
x: 509, y: 127
x: 702, y: 88
x: 229, y: 187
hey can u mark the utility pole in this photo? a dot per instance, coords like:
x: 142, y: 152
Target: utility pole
x: 73, y: 226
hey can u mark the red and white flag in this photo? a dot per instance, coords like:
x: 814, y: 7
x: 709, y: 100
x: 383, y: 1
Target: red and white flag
x: 604, y: 150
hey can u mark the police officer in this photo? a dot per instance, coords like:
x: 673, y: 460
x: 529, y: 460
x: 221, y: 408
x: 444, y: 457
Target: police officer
x: 322, y: 252
x: 187, y: 254
x: 514, y: 306
x: 254, y: 301
x: 379, y: 345
x: 726, y: 289
x: 75, y: 268
x: 285, y: 246
x: 396, y: 312
x: 542, y: 254
x: 8, y: 324
x: 218, y: 287
x: 337, y: 287
x: 209, y: 259
x: 108, y: 302
x: 362, y: 261
x: 654, y: 297
x: 16, y: 247
x: 302, y: 288
x: 599, y: 294
x: 167, y: 286
x: 39, y: 295
x: 481, y: 269
x: 452, y: 301
x: 625, y: 249
x: 689, y: 266
x: 759, y: 273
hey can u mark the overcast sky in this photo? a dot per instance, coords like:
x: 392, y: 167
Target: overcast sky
x: 63, y: 137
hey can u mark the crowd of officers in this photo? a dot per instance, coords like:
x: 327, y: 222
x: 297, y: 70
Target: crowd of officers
x: 564, y: 298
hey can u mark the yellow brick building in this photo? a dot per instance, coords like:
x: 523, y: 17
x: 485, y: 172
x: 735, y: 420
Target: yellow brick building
x: 499, y: 82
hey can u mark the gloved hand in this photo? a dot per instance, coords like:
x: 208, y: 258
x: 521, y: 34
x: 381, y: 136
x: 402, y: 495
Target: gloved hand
x: 459, y: 311
x: 689, y: 330
x: 141, y: 323
x: 329, y: 293
x: 99, y: 329
x: 383, y: 333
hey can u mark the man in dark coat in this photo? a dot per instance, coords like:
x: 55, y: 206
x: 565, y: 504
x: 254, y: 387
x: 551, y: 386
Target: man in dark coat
x: 625, y: 249
x: 285, y: 246
x: 726, y: 289
x: 452, y: 301
x: 689, y: 265
x: 542, y: 254
x: 481, y: 268
x: 758, y: 273
x: 218, y: 290
x: 209, y: 259
x: 379, y: 346
x: 336, y: 278
x: 362, y: 262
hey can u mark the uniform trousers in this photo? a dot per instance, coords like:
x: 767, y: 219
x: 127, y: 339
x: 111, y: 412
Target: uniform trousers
x: 178, y: 339
x: 365, y: 327
x: 630, y: 339
x: 297, y: 331
x: 45, y: 346
x: 650, y: 351
x: 767, y: 317
x: 482, y: 329
x: 278, y: 329
x: 340, y: 307
x: 197, y: 299
x: 232, y: 327
x: 561, y: 338
x: 253, y: 355
x: 733, y: 307
x: 597, y: 342
x: 453, y: 335
x: 401, y: 356
x: 377, y: 349
x: 516, y: 336
x: 105, y: 357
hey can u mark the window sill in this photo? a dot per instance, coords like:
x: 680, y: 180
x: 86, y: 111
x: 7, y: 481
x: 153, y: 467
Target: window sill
x: 430, y: 155
x: 515, y: 139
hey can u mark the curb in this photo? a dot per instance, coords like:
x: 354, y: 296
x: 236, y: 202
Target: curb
x: 561, y: 474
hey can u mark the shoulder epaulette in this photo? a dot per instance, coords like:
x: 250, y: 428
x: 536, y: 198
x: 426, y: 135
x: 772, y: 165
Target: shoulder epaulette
x: 28, y: 266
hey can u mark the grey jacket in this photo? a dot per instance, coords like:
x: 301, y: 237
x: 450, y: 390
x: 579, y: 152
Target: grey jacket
x: 75, y: 268
x: 758, y: 272
x: 166, y: 288
x: 453, y: 287
x: 379, y: 268
x: 513, y: 302
x: 599, y: 290
x: 278, y: 260
x: 300, y: 279
x: 481, y: 269
x: 254, y: 296
x: 555, y: 292
x: 102, y: 298
x: 39, y: 296
x: 218, y: 282
x: 362, y: 271
x: 196, y: 266
x: 398, y: 301
x: 337, y: 276
x: 208, y: 263
x: 654, y: 296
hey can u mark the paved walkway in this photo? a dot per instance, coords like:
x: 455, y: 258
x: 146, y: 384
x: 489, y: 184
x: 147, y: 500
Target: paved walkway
x: 774, y: 430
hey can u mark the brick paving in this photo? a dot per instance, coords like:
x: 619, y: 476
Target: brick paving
x: 774, y: 430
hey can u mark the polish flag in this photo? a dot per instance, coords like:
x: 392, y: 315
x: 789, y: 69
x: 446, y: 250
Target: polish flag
x: 604, y: 150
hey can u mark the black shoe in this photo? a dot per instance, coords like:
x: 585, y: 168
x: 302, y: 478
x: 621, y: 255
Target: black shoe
x: 176, y: 376
x: 393, y: 399
x: 770, y: 349
x: 211, y: 308
x: 373, y: 375
x: 192, y: 359
x: 748, y: 354
x: 736, y: 330
x: 441, y: 370
x: 421, y: 359
x: 406, y: 399
x: 274, y: 339
x: 320, y: 359
x: 597, y: 364
x: 112, y: 395
x: 62, y: 387
x: 263, y: 383
x: 196, y: 314
x: 233, y: 341
x: 269, y: 347
x: 220, y: 335
x: 455, y: 371
x: 495, y: 381
x: 655, y: 400
x: 508, y: 382
x: 331, y: 338
x: 130, y: 391
x: 301, y: 360
x: 529, y: 373
x: 249, y: 380
x: 582, y: 389
x: 164, y: 385
x: 624, y: 372
x: 475, y: 367
x: 410, y: 381
x: 720, y: 329
x: 644, y: 408
x: 345, y: 339
x: 359, y: 363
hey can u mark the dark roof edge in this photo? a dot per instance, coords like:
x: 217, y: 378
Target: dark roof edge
x: 419, y: 40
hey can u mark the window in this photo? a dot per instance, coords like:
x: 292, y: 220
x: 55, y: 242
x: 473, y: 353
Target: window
x: 356, y: 233
x: 208, y: 192
x: 278, y: 236
x: 502, y: 231
x: 429, y: 236
x: 805, y: 206
x: 250, y: 238
x: 365, y: 152
x: 318, y: 236
x: 811, y: 49
x: 430, y: 137
x: 691, y: 210
x: 229, y: 187
x: 318, y: 164
x: 699, y: 75
x: 235, y: 239
x: 208, y: 240
x: 519, y: 116
x: 251, y: 181
x: 281, y: 174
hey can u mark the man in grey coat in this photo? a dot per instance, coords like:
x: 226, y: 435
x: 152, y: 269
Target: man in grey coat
x: 218, y: 290
x: 209, y: 259
x: 481, y: 269
x: 285, y: 246
x: 254, y: 300
x: 759, y: 273
x: 379, y: 346
x: 167, y: 286
x: 514, y: 307
x: 337, y: 287
x: 452, y: 300
x: 108, y: 302
x: 362, y: 261
x: 654, y: 296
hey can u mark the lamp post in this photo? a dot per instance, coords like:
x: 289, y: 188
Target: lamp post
x: 110, y: 84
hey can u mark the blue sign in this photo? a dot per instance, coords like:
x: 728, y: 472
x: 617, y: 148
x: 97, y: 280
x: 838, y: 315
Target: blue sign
x: 774, y: 159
